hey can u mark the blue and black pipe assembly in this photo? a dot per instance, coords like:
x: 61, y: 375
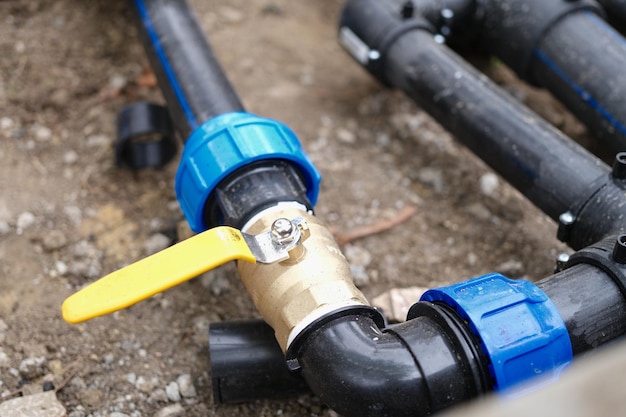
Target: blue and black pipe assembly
x: 487, y: 334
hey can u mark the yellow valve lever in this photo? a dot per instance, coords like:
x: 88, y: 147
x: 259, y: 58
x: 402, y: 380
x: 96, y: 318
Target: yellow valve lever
x: 157, y: 273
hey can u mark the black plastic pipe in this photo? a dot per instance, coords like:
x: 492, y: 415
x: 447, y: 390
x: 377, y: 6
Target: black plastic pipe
x: 590, y: 303
x: 193, y: 83
x: 566, y: 47
x: 616, y: 12
x: 553, y: 172
x: 197, y: 90
x: 581, y: 60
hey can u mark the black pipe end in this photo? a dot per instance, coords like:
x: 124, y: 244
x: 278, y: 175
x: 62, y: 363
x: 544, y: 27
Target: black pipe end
x: 619, y: 166
x: 253, y: 188
x: 247, y: 364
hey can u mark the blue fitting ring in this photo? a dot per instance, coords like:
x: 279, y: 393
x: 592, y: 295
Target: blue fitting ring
x: 520, y: 329
x: 227, y: 142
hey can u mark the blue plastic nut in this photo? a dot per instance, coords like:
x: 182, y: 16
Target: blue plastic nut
x: 520, y: 329
x: 227, y: 142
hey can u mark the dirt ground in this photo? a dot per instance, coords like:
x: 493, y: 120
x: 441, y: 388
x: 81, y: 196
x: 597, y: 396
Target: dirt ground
x: 69, y: 216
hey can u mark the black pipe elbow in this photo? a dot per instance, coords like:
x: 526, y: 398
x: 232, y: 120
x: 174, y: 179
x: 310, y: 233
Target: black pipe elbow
x: 413, y: 369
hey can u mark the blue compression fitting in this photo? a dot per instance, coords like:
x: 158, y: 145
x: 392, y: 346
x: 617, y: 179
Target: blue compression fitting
x: 520, y: 330
x: 227, y: 142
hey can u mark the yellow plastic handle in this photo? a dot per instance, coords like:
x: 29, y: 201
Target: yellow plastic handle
x: 157, y: 273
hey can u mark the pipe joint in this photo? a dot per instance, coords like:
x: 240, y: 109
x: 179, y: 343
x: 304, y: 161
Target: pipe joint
x: 235, y: 143
x: 608, y: 255
x: 367, y: 29
x: 520, y: 330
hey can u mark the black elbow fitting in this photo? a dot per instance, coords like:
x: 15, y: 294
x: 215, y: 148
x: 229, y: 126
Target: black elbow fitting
x: 413, y: 369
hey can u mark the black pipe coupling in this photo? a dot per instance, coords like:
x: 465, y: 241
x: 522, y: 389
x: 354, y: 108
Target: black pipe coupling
x: 367, y: 28
x: 512, y: 29
x: 608, y: 255
x: 601, y: 211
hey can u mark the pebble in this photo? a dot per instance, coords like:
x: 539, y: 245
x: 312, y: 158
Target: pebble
x: 359, y: 259
x: 79, y: 411
x: 33, y: 367
x: 24, y: 221
x: 61, y: 268
x: 5, y: 229
x: 44, y: 404
x: 95, y: 141
x: 74, y: 214
x: 70, y: 157
x: 146, y: 385
x: 174, y: 410
x: 6, y: 123
x: 118, y: 414
x: 5, y: 362
x: 346, y: 136
x: 216, y: 281
x: 42, y: 133
x: 158, y: 396
x: 156, y: 243
x: 432, y: 177
x: 54, y: 240
x: 396, y: 302
x: 185, y: 386
x: 4, y: 328
x: 511, y: 268
x: 488, y: 183
x: 173, y: 392
x: 231, y: 15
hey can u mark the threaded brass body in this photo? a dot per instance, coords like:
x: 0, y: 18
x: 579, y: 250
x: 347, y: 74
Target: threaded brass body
x: 314, y: 281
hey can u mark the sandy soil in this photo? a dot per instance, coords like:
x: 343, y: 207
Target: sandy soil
x: 69, y: 216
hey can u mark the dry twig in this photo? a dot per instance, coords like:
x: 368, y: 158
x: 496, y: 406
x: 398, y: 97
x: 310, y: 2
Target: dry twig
x: 378, y: 227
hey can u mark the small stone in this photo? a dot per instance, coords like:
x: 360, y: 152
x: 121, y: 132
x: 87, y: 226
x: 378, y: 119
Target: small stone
x: 79, y: 411
x: 432, y: 177
x: 3, y: 328
x: 397, y: 301
x: 231, y: 15
x: 132, y: 378
x: 346, y: 136
x: 173, y: 392
x: 511, y: 268
x: 61, y: 268
x: 118, y: 414
x: 216, y: 281
x: 158, y: 396
x: 146, y: 385
x: 357, y: 256
x: 54, y: 240
x: 45, y: 404
x: 56, y: 367
x: 185, y: 386
x: 5, y: 362
x: 33, y: 367
x: 24, y: 221
x: 489, y: 183
x: 70, y: 157
x: 96, y: 141
x: 74, y: 214
x: 6, y: 123
x: 156, y: 243
x: 42, y: 133
x: 174, y: 410
x: 5, y: 229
